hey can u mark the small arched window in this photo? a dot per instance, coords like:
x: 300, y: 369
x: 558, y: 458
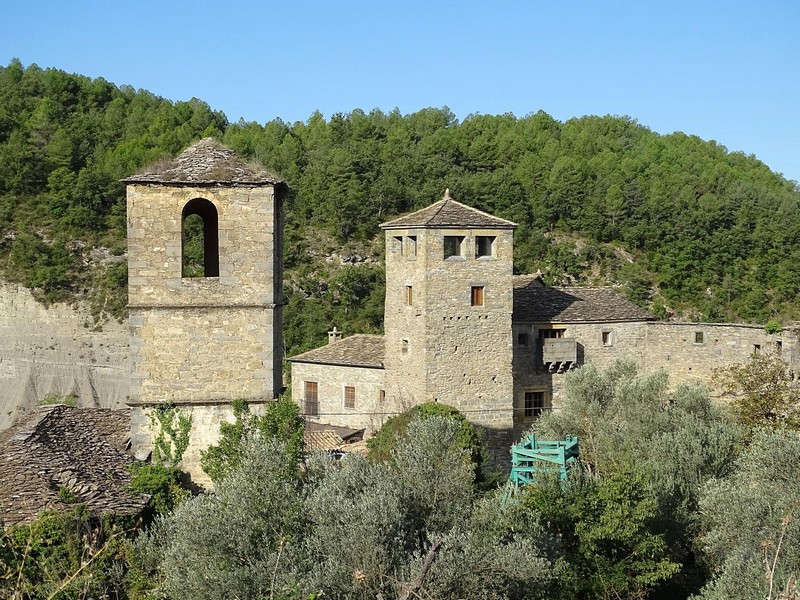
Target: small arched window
x: 200, y: 239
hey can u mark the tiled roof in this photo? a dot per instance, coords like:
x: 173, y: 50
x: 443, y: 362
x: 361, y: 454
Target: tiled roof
x: 355, y: 351
x: 537, y: 303
x: 449, y: 213
x: 81, y: 450
x: 206, y: 162
x: 320, y: 437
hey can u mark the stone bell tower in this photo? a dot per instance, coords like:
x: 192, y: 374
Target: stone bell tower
x: 203, y: 335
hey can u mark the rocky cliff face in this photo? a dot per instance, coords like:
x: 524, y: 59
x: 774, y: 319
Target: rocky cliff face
x: 55, y: 352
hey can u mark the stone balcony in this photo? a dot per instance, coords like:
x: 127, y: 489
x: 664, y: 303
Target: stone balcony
x: 561, y: 354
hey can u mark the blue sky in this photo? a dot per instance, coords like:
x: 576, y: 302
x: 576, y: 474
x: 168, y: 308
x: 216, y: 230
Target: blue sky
x: 727, y: 71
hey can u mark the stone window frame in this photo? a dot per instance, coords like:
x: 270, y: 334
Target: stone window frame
x: 410, y: 246
x: 209, y: 214
x: 477, y: 295
x: 349, y: 396
x: 699, y: 338
x: 311, y: 406
x: 607, y: 338
x: 530, y: 410
x: 453, y: 247
x: 481, y: 252
x: 547, y: 333
x: 397, y: 244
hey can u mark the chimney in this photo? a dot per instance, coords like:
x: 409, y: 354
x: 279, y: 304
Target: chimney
x: 334, y: 335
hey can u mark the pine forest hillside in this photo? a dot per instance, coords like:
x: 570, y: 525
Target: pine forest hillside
x: 683, y: 226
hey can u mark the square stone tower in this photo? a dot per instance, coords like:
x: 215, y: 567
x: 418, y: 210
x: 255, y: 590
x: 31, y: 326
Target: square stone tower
x: 449, y: 300
x: 203, y: 337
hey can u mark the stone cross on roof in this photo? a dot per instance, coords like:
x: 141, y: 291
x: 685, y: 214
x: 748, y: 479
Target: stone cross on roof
x: 206, y: 162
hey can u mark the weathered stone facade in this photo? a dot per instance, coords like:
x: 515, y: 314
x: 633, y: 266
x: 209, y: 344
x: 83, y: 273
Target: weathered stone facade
x: 461, y: 330
x: 203, y: 341
x: 448, y: 313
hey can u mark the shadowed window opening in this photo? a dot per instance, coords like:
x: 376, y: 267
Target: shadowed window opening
x: 199, y: 239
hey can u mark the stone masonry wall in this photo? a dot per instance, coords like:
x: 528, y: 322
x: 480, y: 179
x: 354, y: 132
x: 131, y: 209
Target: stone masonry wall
x: 653, y: 346
x: 457, y: 354
x: 201, y: 354
x: 404, y: 324
x: 195, y: 339
x: 368, y: 413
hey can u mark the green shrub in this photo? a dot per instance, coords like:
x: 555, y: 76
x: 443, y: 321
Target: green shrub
x: 382, y: 444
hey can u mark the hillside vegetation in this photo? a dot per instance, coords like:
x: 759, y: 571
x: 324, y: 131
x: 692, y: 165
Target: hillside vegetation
x: 683, y: 225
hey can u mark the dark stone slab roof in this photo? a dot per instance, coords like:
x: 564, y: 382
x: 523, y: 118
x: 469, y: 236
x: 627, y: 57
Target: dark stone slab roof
x: 360, y: 350
x: 206, y: 162
x: 449, y: 213
x: 535, y: 302
x: 81, y: 450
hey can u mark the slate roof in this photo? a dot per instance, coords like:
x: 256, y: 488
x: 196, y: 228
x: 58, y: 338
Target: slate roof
x: 449, y: 213
x: 206, y: 162
x: 535, y: 302
x: 360, y: 350
x: 79, y: 449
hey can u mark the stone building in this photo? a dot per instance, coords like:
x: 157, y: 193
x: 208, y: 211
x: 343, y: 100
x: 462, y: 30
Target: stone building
x: 462, y: 330
x: 200, y: 342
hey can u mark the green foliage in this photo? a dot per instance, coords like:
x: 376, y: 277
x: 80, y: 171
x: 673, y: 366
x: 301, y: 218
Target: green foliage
x: 348, y: 529
x: 382, y: 445
x: 773, y: 327
x: 67, y: 496
x: 281, y: 421
x: 656, y: 449
x: 163, y: 484
x: 751, y: 521
x: 55, y: 398
x: 171, y: 439
x: 231, y: 544
x: 63, y: 556
x: 605, y: 527
x: 762, y: 392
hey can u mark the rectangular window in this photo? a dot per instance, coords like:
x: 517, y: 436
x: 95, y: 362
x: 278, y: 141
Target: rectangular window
x: 545, y: 334
x: 778, y: 346
x: 477, y: 295
x: 397, y: 244
x: 349, y: 396
x: 405, y: 347
x: 452, y: 245
x: 411, y: 245
x: 484, y: 246
x: 381, y: 396
x: 756, y: 348
x: 522, y: 339
x: 409, y: 295
x: 699, y: 337
x: 534, y: 404
x: 310, y: 398
x: 608, y: 338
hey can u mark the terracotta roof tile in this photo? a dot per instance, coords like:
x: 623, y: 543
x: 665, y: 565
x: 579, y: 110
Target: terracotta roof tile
x: 360, y: 350
x: 81, y: 450
x: 449, y: 213
x: 537, y: 303
x: 206, y: 162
